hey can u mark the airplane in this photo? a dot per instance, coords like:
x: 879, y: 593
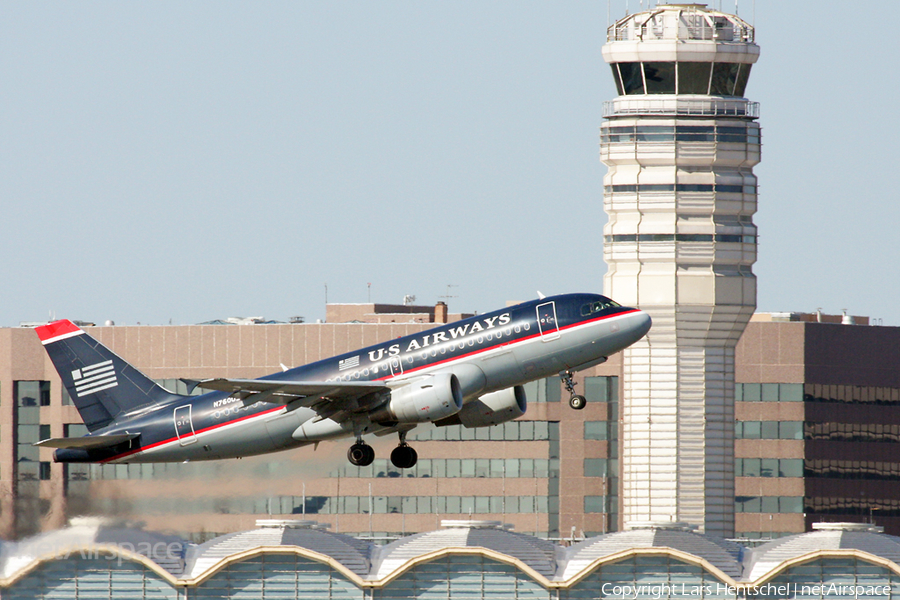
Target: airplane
x: 469, y: 372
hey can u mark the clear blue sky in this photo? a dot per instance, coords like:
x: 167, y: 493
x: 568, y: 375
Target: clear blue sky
x: 189, y: 161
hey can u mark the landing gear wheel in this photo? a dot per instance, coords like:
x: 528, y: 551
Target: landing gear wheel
x: 577, y: 402
x: 361, y: 454
x: 404, y: 457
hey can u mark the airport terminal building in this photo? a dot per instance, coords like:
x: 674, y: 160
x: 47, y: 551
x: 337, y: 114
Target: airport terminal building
x: 816, y: 436
x: 462, y: 559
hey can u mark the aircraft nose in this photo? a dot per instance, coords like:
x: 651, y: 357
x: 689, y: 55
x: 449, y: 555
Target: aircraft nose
x: 640, y: 324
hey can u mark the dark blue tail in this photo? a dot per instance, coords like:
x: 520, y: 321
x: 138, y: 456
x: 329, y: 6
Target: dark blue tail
x: 102, y: 385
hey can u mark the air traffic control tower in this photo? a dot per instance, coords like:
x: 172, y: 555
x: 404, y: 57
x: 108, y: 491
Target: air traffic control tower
x: 680, y: 141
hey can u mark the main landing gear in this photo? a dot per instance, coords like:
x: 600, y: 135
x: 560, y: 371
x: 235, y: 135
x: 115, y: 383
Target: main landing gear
x: 361, y: 454
x: 576, y: 401
x: 404, y: 456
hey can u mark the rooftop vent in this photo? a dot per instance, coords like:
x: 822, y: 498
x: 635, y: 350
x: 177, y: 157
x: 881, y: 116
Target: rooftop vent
x: 848, y: 527
x: 290, y: 524
x: 473, y: 524
x: 670, y: 525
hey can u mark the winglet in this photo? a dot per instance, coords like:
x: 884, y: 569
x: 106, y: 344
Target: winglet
x: 58, y: 330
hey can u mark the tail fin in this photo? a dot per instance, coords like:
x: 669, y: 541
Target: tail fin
x: 102, y: 385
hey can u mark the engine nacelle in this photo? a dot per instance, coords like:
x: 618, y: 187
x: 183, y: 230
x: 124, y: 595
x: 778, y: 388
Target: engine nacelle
x: 434, y: 397
x: 490, y: 409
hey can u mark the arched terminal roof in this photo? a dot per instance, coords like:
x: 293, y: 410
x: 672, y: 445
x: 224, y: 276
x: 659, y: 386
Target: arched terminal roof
x: 356, y: 562
x: 772, y: 556
x: 535, y: 553
x: 352, y: 553
x: 718, y: 552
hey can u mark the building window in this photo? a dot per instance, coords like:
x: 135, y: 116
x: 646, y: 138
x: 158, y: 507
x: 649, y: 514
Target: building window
x: 544, y: 390
x: 851, y: 394
x: 595, y: 504
x: 768, y: 392
x: 75, y: 429
x: 31, y: 393
x: 768, y: 430
x: 667, y: 134
x: 719, y: 188
x: 693, y: 77
x: 601, y: 467
x: 596, y: 430
x: 853, y: 432
x: 712, y: 79
x: 29, y: 396
x: 768, y: 467
x: 859, y: 505
x: 768, y: 504
x: 601, y: 389
x: 513, y: 431
x: 853, y: 469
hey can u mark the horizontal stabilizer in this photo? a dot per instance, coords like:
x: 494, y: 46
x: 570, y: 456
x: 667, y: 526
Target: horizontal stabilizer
x: 88, y: 442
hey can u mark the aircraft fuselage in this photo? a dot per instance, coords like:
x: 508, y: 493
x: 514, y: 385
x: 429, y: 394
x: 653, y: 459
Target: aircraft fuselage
x: 486, y: 353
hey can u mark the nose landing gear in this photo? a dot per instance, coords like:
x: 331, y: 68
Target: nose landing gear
x: 404, y: 456
x: 361, y: 454
x: 576, y: 401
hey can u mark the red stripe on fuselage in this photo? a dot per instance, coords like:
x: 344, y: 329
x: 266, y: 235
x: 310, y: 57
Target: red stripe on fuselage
x: 196, y: 433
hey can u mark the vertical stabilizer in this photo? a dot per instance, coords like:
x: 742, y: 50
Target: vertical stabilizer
x: 102, y: 385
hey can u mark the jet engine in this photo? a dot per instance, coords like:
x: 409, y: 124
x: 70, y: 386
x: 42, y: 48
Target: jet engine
x: 434, y: 397
x: 490, y: 409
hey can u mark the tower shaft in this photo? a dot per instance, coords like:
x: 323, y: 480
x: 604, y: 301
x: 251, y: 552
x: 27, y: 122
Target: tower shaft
x: 681, y: 142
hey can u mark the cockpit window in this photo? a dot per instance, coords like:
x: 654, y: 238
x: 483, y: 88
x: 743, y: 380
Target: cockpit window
x: 595, y: 307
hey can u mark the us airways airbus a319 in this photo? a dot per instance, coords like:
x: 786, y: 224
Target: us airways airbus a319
x: 469, y: 372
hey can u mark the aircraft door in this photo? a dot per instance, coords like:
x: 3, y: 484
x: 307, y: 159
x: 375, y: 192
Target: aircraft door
x: 547, y: 324
x: 184, y: 426
x: 396, y: 365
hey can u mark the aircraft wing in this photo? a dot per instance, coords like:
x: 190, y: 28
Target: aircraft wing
x: 284, y: 392
x: 88, y: 442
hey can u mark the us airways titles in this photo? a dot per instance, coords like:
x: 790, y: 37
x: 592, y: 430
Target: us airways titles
x: 442, y: 336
